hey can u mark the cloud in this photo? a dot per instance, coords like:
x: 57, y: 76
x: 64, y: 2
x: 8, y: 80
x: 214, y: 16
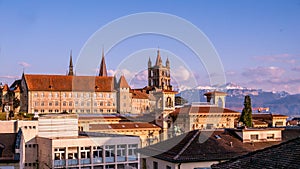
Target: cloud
x: 264, y: 72
x: 281, y: 58
x: 10, y: 77
x: 181, y: 74
x: 24, y: 64
x: 296, y: 69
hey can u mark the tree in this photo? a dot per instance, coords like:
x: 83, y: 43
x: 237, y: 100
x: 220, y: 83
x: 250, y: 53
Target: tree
x: 246, y: 116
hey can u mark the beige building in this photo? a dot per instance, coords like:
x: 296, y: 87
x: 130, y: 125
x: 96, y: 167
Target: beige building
x: 203, y: 117
x: 53, y: 141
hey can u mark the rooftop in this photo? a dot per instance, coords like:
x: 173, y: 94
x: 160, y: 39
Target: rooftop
x: 284, y: 155
x: 193, y: 147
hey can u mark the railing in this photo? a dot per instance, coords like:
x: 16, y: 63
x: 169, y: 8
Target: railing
x: 97, y: 160
x: 132, y: 158
x: 109, y: 159
x: 72, y: 162
x: 121, y: 158
x: 85, y: 161
x: 59, y: 163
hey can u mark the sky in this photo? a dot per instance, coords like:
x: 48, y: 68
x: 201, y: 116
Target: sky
x: 257, y: 41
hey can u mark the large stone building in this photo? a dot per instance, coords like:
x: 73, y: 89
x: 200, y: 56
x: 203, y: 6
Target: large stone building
x: 68, y: 93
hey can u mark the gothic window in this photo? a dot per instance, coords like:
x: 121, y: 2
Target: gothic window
x: 169, y: 102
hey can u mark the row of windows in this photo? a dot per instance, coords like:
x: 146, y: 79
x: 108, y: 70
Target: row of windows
x: 70, y: 103
x: 76, y: 95
x: 76, y: 110
x: 30, y: 164
x: 99, y: 152
x: 30, y: 145
x: 30, y: 127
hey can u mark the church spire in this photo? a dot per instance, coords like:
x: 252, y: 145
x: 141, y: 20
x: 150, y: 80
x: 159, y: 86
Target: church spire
x: 71, y: 65
x: 158, y: 59
x: 168, y: 63
x: 103, y: 71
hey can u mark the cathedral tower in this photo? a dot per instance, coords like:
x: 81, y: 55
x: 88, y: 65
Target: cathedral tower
x: 158, y: 74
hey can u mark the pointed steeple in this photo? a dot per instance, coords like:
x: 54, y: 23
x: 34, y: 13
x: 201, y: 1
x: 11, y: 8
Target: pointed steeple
x: 158, y: 59
x: 103, y: 71
x: 167, y: 63
x: 149, y: 63
x: 71, y: 73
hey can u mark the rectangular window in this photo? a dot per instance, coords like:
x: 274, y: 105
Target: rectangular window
x: 155, y: 165
x: 50, y: 103
x: 132, y: 155
x: 42, y: 103
x: 70, y: 103
x: 64, y: 103
x: 121, y: 152
x: 270, y: 136
x: 110, y: 153
x: 56, y: 103
x: 97, y: 154
x: 254, y: 136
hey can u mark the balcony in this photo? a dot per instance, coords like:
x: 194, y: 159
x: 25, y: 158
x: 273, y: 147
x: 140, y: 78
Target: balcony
x: 59, y: 163
x: 121, y: 158
x: 85, y: 161
x: 72, y: 162
x: 132, y: 158
x: 97, y: 160
x: 109, y: 159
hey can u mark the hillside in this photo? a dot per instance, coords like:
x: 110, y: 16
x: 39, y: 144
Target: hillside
x: 278, y: 102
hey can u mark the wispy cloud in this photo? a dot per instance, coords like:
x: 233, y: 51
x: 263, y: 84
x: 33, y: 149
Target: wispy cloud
x: 264, y: 72
x: 24, y: 64
x: 296, y: 69
x: 9, y: 77
x: 281, y: 58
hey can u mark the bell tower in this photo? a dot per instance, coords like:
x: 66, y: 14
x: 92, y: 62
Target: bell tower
x: 158, y: 74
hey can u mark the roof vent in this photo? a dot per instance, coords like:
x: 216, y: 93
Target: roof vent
x: 123, y: 126
x: 109, y: 126
x: 136, y: 125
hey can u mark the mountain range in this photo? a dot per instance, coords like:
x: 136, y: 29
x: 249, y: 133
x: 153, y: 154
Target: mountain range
x: 278, y: 102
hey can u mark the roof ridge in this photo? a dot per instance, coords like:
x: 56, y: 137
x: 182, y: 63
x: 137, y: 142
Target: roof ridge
x: 187, y: 145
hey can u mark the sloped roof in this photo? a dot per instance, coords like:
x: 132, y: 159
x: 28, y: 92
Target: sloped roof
x: 136, y: 94
x: 189, y: 147
x: 202, y: 109
x: 123, y: 82
x: 69, y: 83
x: 215, y: 93
x: 131, y: 125
x: 284, y: 155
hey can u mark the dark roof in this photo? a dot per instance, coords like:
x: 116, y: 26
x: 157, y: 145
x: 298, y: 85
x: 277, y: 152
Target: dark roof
x: 69, y: 83
x: 7, y: 144
x: 136, y: 94
x: 284, y: 155
x: 188, y: 147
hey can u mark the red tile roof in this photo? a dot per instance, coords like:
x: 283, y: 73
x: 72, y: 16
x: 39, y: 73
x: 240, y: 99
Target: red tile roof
x: 215, y: 93
x: 131, y: 125
x: 123, y: 82
x: 203, y: 109
x: 136, y: 94
x: 69, y: 83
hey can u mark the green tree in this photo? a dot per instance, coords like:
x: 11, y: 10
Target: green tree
x: 246, y: 116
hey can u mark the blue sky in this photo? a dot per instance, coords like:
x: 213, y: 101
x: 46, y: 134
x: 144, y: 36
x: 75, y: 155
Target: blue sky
x: 257, y: 41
